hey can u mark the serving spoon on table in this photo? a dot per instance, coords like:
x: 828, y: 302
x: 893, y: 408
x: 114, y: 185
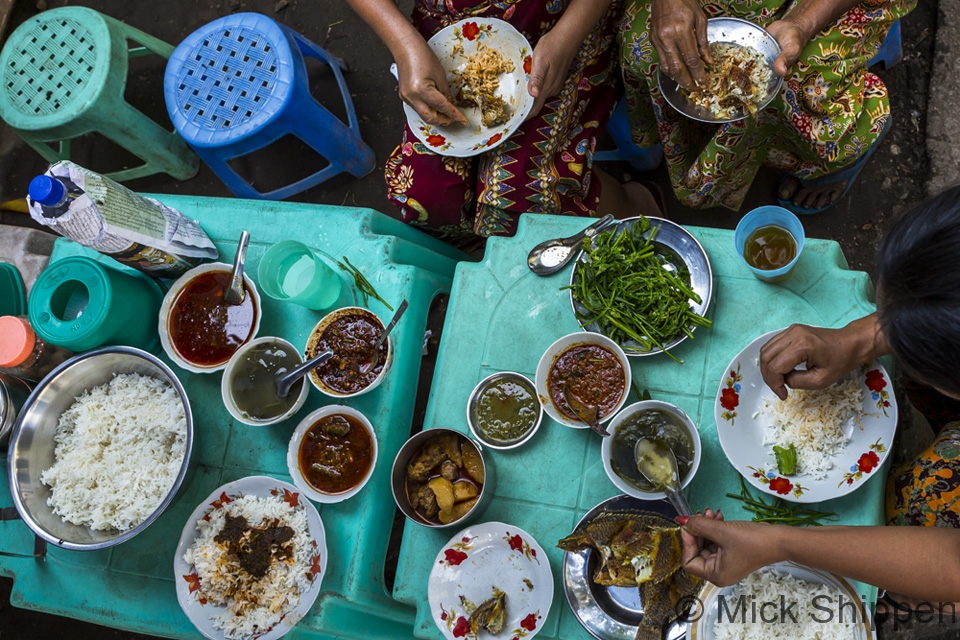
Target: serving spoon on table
x: 552, y: 255
x: 586, y: 412
x: 657, y: 463
x: 283, y: 381
x: 235, y: 292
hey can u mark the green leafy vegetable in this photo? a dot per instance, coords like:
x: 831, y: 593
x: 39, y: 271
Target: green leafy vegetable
x: 363, y: 285
x: 624, y: 288
x: 779, y: 511
x: 786, y: 459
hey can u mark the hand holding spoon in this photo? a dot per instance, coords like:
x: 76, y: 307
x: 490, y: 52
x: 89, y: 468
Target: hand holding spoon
x: 657, y: 463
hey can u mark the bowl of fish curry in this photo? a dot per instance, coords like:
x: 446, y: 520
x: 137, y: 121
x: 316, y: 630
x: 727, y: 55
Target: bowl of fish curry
x: 351, y: 333
x: 645, y: 284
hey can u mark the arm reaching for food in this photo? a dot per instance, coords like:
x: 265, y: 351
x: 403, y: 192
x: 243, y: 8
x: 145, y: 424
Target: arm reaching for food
x: 678, y: 29
x: 800, y: 25
x: 920, y: 562
x: 828, y: 354
x: 423, y: 80
x: 557, y: 48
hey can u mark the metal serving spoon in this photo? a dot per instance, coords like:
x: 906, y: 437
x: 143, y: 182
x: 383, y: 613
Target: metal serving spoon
x: 370, y: 364
x: 653, y: 458
x: 586, y: 412
x: 552, y: 255
x: 235, y: 292
x: 283, y: 381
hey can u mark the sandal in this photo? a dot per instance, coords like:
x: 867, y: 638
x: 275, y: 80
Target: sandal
x: 849, y: 174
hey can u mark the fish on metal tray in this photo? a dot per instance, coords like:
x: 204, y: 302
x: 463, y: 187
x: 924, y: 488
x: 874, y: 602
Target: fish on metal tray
x: 639, y: 549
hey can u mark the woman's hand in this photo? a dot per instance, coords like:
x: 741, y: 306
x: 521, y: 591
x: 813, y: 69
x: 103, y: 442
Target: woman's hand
x: 678, y: 29
x: 725, y: 552
x: 552, y: 58
x: 423, y: 85
x: 792, y: 39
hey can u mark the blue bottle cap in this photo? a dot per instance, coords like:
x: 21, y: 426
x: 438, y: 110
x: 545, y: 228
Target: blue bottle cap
x: 46, y: 190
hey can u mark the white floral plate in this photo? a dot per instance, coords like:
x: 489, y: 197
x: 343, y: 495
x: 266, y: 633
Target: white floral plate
x: 452, y: 45
x: 188, y: 583
x: 480, y: 558
x: 845, y: 607
x: 738, y: 412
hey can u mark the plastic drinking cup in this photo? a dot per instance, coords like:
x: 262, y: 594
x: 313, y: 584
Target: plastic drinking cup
x: 290, y: 270
x: 770, y: 215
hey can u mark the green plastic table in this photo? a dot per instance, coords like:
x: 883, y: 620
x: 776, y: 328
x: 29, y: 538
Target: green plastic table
x: 131, y: 586
x: 502, y: 317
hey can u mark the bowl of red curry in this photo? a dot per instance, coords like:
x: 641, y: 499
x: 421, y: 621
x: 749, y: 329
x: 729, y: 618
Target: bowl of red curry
x: 589, y: 366
x: 198, y: 329
x: 332, y: 453
x: 351, y: 333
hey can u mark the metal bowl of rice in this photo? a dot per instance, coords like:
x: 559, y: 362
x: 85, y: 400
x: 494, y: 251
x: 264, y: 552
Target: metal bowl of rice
x: 765, y: 85
x: 101, y: 494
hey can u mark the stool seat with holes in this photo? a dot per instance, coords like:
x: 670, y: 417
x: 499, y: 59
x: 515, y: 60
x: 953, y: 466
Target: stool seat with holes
x: 63, y: 74
x: 239, y: 84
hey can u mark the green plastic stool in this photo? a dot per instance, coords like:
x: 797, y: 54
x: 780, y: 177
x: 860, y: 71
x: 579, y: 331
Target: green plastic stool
x: 63, y: 74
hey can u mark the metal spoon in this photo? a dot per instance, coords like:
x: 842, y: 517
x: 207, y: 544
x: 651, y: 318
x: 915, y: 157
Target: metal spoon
x: 367, y: 366
x: 651, y: 457
x: 586, y: 412
x: 235, y: 292
x: 552, y: 255
x: 283, y: 381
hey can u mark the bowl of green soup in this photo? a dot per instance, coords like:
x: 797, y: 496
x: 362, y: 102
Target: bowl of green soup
x: 504, y: 411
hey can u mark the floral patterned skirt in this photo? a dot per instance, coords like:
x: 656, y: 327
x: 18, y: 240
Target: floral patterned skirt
x: 544, y: 167
x: 828, y: 113
x: 926, y: 491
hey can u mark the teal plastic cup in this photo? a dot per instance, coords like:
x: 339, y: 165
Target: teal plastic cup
x: 769, y: 216
x: 291, y: 271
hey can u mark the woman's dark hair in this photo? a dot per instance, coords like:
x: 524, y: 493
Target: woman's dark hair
x: 918, y: 291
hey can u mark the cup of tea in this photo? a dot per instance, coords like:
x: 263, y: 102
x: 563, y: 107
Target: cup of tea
x: 769, y: 240
x: 291, y: 270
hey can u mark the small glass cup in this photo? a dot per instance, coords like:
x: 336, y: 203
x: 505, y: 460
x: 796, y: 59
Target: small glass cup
x: 290, y: 270
x: 769, y: 216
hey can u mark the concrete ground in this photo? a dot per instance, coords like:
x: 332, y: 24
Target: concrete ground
x: 921, y: 155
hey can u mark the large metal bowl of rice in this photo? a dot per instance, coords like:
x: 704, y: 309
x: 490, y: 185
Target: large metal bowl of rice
x: 100, y: 448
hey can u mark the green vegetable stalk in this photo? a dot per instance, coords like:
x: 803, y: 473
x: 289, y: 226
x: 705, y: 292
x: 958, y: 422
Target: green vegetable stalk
x: 786, y: 459
x: 779, y: 511
x: 363, y: 285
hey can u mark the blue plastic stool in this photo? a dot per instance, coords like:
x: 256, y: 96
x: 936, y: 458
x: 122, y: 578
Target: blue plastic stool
x: 240, y: 83
x: 619, y: 129
x: 891, y: 51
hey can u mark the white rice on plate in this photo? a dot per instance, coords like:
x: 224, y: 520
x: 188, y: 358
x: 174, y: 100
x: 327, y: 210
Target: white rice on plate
x: 251, y: 605
x: 119, y: 449
x: 795, y: 609
x: 813, y: 422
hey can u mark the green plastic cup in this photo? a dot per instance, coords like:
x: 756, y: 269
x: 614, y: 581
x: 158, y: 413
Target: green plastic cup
x: 291, y: 271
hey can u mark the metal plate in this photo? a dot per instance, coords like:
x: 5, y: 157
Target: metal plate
x: 609, y: 613
x: 672, y: 240
x: 733, y: 31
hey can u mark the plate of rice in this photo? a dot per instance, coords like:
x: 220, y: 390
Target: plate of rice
x: 488, y: 66
x: 740, y: 82
x: 813, y: 446
x: 250, y: 560
x: 784, y: 600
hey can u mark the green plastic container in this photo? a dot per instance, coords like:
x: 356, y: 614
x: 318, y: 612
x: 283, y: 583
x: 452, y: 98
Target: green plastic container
x: 79, y: 304
x: 13, y: 294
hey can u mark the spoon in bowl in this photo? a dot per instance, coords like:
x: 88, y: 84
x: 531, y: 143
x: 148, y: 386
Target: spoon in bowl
x: 235, y: 292
x: 375, y: 358
x: 586, y: 412
x: 657, y: 463
x: 283, y: 381
x: 552, y: 255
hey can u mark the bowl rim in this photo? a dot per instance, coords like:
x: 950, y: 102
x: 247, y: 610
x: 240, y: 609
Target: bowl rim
x: 482, y: 385
x: 629, y: 411
x: 17, y: 433
x: 404, y: 505
x: 293, y: 453
x: 559, y: 346
x: 167, y: 304
x: 318, y: 330
x: 227, y: 377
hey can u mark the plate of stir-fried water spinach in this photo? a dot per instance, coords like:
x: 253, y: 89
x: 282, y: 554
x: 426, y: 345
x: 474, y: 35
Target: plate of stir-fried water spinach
x: 645, y: 283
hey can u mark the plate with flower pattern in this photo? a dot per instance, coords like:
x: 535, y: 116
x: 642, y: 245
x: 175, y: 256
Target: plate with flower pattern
x: 453, y: 45
x: 280, y: 502
x: 479, y: 559
x: 742, y: 410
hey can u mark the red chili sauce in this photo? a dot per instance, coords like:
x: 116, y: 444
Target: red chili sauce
x: 203, y: 328
x: 336, y: 453
x: 351, y: 338
x: 595, y: 377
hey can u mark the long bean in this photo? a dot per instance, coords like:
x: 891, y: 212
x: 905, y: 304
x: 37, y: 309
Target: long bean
x: 779, y: 511
x: 363, y: 285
